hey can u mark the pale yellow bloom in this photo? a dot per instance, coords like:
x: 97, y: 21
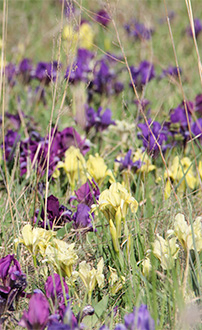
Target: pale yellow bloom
x: 116, y: 199
x: 86, y: 36
x: 35, y: 239
x: 116, y: 283
x: 146, y: 267
x: 179, y: 171
x: 83, y: 37
x: 62, y: 256
x: 74, y: 166
x: 97, y: 169
x: 166, y: 250
x: 183, y: 231
x: 91, y: 277
x: 147, y: 165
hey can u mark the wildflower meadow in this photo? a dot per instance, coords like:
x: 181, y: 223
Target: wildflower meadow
x: 101, y: 165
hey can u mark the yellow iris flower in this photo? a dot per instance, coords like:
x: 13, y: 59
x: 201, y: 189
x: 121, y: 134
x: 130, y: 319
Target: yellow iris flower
x: 74, y: 166
x: 97, y: 169
x: 181, y: 172
x: 166, y: 250
x: 91, y: 277
x: 183, y: 231
x: 83, y: 37
x: 116, y: 199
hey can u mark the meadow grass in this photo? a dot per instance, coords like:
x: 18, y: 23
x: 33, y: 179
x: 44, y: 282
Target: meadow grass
x: 33, y: 29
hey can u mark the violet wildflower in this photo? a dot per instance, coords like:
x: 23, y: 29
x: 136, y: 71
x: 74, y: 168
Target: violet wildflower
x: 170, y: 71
x: 140, y: 319
x: 178, y: 126
x: 25, y: 68
x: 56, y: 213
x: 82, y: 217
x: 54, y: 291
x: 10, y: 73
x: 103, y: 17
x: 138, y: 30
x: 100, y: 119
x: 127, y: 163
x: 46, y: 72
x: 81, y: 67
x: 13, y: 282
x: 196, y: 129
x: 69, y: 322
x: 88, y: 193
x: 197, y: 28
x: 143, y: 74
x: 36, y: 318
x: 149, y: 142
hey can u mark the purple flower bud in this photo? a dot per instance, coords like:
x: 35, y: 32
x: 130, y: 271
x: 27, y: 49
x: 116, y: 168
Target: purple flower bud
x: 197, y: 28
x: 10, y: 73
x: 149, y: 142
x: 100, y: 119
x: 143, y: 74
x: 46, y: 71
x: 54, y: 291
x: 88, y: 193
x: 36, y: 318
x: 127, y: 162
x: 140, y: 319
x: 81, y: 68
x: 138, y: 30
x: 103, y: 17
x: 25, y: 68
x: 9, y: 267
x: 82, y: 217
x: 170, y: 71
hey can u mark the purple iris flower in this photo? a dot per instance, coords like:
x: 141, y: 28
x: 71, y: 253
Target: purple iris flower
x: 13, y: 282
x: 127, y: 162
x: 88, y: 193
x: 100, y: 120
x: 103, y: 78
x: 82, y: 218
x: 103, y: 17
x: 81, y: 68
x: 25, y: 68
x: 56, y: 213
x: 54, y: 291
x: 138, y: 30
x: 196, y: 129
x: 170, y: 71
x: 178, y: 115
x: 10, y: 73
x: 197, y: 28
x: 70, y: 137
x: 36, y: 148
x: 148, y: 140
x: 69, y: 322
x: 140, y: 319
x: 36, y: 318
x: 46, y: 71
x: 143, y: 74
